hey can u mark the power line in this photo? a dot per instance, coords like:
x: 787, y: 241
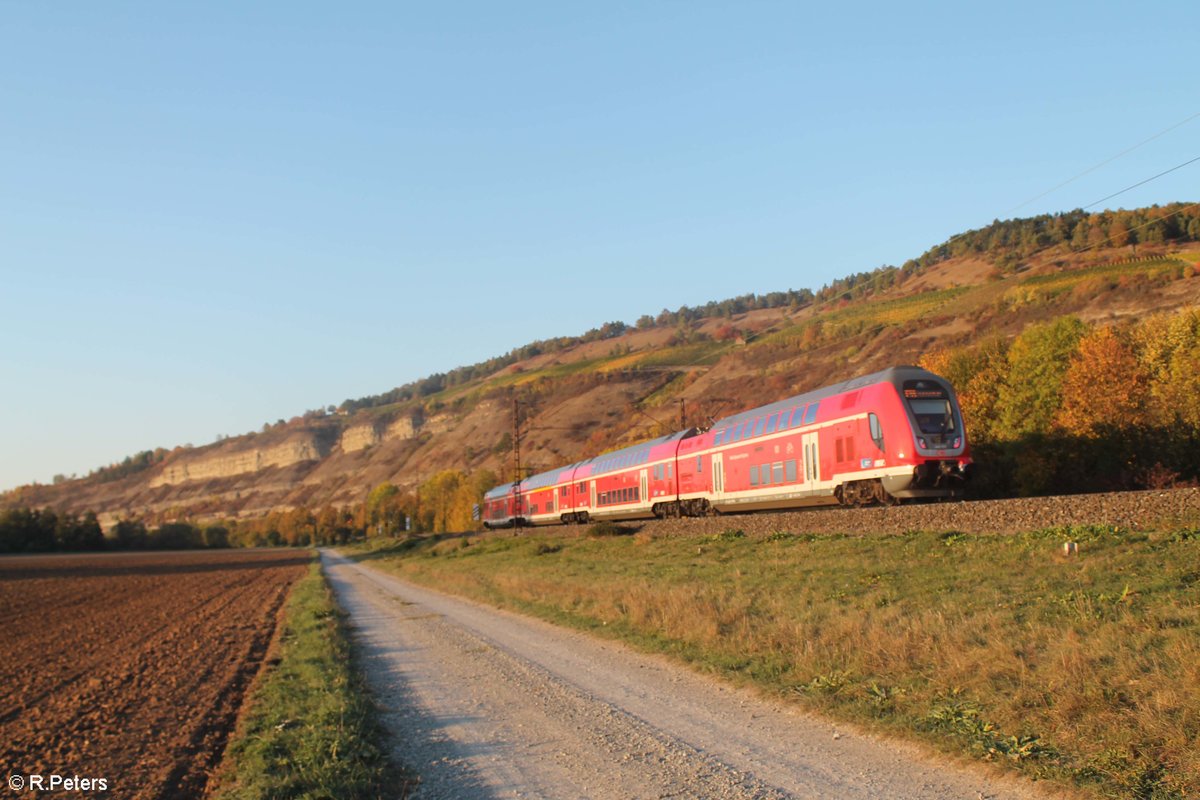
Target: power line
x: 1141, y: 183
x: 1105, y: 162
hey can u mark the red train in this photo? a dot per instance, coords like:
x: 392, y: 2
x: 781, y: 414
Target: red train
x: 883, y: 437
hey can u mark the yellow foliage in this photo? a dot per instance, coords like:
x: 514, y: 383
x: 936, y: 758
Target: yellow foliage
x: 1104, y: 386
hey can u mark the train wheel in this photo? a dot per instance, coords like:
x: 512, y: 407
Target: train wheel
x: 881, y: 494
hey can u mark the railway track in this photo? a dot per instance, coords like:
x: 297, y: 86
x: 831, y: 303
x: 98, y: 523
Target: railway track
x: 1142, y: 510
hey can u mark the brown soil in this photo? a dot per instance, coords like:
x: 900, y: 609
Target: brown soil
x: 132, y: 667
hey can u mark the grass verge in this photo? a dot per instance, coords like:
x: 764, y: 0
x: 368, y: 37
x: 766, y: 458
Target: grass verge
x: 1081, y: 669
x: 310, y: 730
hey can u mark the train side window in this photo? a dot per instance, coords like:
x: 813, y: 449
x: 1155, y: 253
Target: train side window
x: 764, y: 474
x: 810, y: 416
x: 876, y: 431
x: 670, y: 470
x: 777, y: 472
x: 789, y: 468
x: 771, y: 422
x: 754, y: 476
x: 758, y: 426
x: 699, y: 463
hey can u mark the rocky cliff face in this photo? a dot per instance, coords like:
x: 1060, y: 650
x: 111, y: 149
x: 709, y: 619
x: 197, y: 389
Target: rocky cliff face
x: 226, y: 462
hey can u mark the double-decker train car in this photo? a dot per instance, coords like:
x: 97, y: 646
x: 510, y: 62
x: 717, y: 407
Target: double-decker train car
x: 623, y: 484
x: 884, y: 437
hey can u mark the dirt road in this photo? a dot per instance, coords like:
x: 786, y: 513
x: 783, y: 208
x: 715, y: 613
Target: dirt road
x: 483, y: 704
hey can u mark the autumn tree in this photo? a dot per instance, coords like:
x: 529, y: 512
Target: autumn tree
x: 1030, y: 397
x: 1104, y: 387
x: 384, y: 510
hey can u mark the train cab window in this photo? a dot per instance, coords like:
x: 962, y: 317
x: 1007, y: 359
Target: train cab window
x: 789, y: 470
x: 876, y: 431
x: 930, y: 406
x: 777, y: 472
x: 754, y: 476
x: 758, y: 426
x: 933, y: 416
x: 771, y: 422
x: 810, y: 416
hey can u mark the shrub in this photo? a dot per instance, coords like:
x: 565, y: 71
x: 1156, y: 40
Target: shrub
x: 607, y: 528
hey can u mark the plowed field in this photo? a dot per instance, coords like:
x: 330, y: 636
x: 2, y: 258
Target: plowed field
x: 133, y: 667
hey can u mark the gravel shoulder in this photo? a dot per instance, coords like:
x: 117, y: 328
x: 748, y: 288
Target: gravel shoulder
x: 484, y: 703
x: 1159, y: 508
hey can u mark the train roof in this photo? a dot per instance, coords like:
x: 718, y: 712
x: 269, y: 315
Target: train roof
x: 892, y: 375
x: 498, y: 492
x: 548, y: 478
x: 631, y: 456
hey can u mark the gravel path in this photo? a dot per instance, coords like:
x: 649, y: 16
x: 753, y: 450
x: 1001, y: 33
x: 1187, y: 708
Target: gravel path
x: 488, y: 704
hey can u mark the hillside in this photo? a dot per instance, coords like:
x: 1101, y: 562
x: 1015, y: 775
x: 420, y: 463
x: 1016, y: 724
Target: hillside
x: 579, y: 396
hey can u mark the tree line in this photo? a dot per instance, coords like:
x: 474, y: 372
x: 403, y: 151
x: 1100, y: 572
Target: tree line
x: 1068, y: 407
x: 444, y: 502
x: 1009, y: 241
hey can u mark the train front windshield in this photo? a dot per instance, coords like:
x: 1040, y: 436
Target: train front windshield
x: 931, y: 408
x: 933, y: 416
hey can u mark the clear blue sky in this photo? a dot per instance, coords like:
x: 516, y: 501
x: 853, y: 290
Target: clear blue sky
x: 215, y: 215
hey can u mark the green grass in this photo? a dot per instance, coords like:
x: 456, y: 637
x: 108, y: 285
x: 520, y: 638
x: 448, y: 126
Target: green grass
x: 310, y: 731
x: 1082, y: 670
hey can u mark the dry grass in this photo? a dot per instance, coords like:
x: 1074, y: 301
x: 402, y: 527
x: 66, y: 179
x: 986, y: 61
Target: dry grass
x: 1084, y: 670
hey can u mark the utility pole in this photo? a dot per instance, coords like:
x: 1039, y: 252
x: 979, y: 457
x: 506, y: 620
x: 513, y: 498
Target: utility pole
x: 516, y: 439
x: 682, y: 414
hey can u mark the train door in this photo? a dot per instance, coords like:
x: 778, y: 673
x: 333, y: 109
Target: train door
x: 718, y: 475
x: 592, y: 494
x: 812, y: 461
x: 644, y: 482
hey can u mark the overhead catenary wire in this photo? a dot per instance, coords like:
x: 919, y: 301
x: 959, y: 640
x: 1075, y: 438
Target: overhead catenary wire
x: 1103, y: 163
x: 1141, y: 183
